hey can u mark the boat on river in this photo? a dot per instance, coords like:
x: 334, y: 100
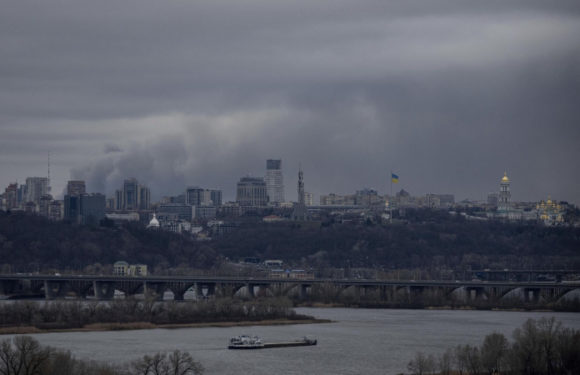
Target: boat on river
x: 245, y: 342
x: 254, y: 342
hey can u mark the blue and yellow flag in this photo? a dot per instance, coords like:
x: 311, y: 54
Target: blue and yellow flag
x: 394, y: 178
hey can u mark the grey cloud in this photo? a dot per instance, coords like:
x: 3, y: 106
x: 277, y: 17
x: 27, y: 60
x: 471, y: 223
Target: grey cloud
x: 447, y: 93
x: 111, y: 147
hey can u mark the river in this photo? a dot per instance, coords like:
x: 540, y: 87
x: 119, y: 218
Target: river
x: 360, y: 341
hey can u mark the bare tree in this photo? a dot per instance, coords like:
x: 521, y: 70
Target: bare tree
x: 176, y: 363
x: 421, y: 364
x: 183, y: 364
x: 493, y: 352
x: 549, y: 330
x: 446, y: 362
x: 23, y: 355
x: 460, y: 359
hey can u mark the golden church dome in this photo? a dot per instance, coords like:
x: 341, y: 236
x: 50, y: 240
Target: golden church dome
x: 505, y: 178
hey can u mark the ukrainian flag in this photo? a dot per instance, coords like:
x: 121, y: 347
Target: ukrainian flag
x: 394, y: 178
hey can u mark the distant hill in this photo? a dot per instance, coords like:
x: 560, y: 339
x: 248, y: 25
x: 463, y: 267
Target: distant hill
x: 426, y: 239
x: 32, y: 243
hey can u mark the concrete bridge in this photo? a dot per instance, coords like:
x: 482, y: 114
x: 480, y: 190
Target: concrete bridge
x: 107, y: 287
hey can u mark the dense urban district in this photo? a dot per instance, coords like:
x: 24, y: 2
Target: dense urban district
x: 359, y: 236
x: 88, y: 232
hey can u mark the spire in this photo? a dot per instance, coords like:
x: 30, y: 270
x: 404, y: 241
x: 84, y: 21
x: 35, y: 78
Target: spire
x: 300, y: 211
x: 300, y: 185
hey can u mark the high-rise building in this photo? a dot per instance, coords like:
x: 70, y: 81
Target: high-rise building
x: 130, y: 194
x: 11, y: 197
x: 504, y: 198
x: 274, y: 180
x: 44, y: 205
x: 118, y: 205
x: 132, y: 197
x: 72, y: 206
x: 144, y: 198
x: 216, y: 197
x: 21, y: 195
x: 92, y: 208
x: 252, y: 191
x: 36, y: 187
x: 196, y: 196
x: 55, y: 210
x: 75, y: 187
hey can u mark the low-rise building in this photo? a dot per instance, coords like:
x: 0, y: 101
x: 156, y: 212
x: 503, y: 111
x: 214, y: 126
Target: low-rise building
x: 122, y: 268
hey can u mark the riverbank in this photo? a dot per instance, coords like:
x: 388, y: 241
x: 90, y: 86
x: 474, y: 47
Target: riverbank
x: 571, y: 307
x: 101, y: 327
x: 72, y: 316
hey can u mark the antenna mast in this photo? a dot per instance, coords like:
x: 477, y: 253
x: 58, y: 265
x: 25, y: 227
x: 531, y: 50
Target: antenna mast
x: 48, y: 185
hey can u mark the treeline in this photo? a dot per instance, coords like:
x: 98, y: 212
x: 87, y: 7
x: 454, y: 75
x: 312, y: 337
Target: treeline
x: 424, y: 239
x: 79, y: 314
x: 421, y: 298
x: 30, y: 243
x: 539, y: 347
x: 23, y: 355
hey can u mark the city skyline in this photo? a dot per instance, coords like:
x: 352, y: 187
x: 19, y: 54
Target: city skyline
x: 208, y: 194
x: 447, y: 94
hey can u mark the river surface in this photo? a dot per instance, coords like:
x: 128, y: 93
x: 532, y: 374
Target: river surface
x: 360, y: 341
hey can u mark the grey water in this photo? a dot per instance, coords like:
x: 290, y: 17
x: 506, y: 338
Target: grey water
x: 359, y: 341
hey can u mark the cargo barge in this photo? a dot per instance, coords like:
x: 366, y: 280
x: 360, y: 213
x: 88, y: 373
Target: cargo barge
x: 254, y: 342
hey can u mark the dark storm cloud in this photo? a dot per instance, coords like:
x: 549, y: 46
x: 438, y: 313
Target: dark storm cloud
x: 111, y: 147
x: 447, y: 93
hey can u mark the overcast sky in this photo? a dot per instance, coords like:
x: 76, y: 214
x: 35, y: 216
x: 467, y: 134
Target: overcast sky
x: 447, y: 94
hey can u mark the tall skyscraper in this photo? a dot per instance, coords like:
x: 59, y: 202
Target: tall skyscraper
x: 36, y: 187
x: 144, y: 198
x: 132, y: 197
x: 251, y: 191
x: 75, y: 187
x: 274, y: 180
x: 130, y: 194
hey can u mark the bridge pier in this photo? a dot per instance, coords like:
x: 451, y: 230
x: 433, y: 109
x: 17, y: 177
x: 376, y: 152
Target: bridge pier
x: 5, y: 287
x: 55, y: 289
x: 531, y: 294
x: 154, y: 290
x: 303, y: 291
x: 104, y: 290
x: 210, y: 290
